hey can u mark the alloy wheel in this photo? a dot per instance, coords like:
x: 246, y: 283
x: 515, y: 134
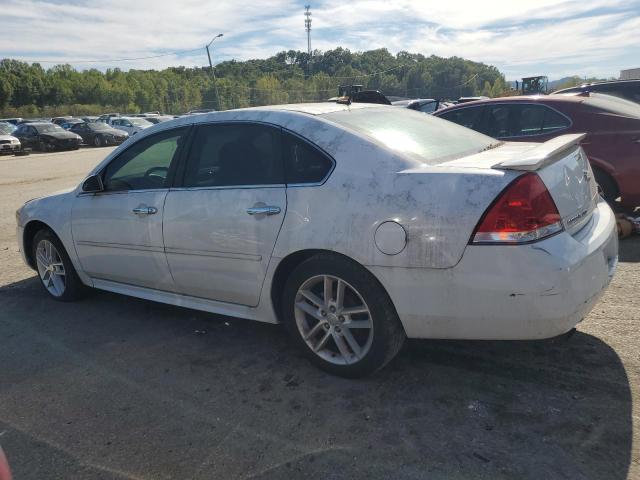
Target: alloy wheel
x: 333, y: 319
x: 51, y: 268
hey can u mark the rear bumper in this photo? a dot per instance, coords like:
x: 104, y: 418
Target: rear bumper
x: 519, y: 292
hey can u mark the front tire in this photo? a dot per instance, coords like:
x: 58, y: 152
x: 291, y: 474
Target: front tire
x: 97, y: 141
x: 56, y: 272
x: 340, y: 316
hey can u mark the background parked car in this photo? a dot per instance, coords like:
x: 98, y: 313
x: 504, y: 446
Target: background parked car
x: 8, y: 143
x: 71, y: 122
x: 89, y: 118
x: 158, y: 119
x: 425, y: 105
x: 6, y: 126
x: 626, y: 89
x: 130, y: 125
x: 612, y: 126
x: 47, y: 137
x: 104, y: 118
x: 14, y: 121
x: 61, y: 120
x: 99, y: 134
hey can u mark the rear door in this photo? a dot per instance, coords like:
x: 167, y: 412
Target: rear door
x: 220, y: 228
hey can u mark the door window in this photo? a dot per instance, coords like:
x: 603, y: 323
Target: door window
x: 428, y: 107
x: 235, y: 155
x: 304, y: 163
x: 554, y: 121
x: 522, y: 120
x: 146, y: 164
x: 467, y: 117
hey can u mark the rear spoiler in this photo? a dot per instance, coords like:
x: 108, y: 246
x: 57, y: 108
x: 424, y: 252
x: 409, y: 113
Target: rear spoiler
x: 543, y: 154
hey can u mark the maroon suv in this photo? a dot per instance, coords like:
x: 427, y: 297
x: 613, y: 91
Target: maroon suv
x: 612, y: 126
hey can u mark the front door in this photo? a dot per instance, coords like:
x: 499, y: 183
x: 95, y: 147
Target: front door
x: 118, y: 232
x: 220, y: 228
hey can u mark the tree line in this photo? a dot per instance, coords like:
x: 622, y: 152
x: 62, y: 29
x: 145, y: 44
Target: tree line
x: 287, y: 77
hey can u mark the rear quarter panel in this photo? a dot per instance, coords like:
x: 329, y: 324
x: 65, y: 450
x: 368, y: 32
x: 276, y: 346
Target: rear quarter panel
x: 438, y: 206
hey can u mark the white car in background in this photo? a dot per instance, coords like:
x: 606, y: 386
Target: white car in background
x: 131, y: 125
x: 355, y: 226
x: 8, y: 143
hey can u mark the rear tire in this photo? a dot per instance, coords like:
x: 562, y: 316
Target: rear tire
x: 608, y: 187
x: 57, y: 275
x: 340, y: 316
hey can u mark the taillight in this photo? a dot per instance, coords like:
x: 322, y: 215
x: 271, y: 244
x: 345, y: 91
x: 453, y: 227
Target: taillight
x: 524, y: 212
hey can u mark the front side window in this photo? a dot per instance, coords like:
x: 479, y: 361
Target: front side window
x: 235, y: 155
x: 146, y: 164
x: 304, y: 163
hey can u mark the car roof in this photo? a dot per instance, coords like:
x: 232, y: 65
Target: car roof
x: 521, y: 99
x: 319, y: 108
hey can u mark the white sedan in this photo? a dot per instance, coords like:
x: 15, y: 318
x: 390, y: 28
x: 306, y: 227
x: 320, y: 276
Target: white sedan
x: 131, y: 125
x: 355, y: 226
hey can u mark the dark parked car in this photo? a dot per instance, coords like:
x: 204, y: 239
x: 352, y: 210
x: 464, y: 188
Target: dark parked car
x: 425, y: 105
x: 612, y: 126
x: 70, y: 123
x: 158, y: 118
x: 99, y: 134
x: 61, y: 120
x: 627, y: 89
x: 46, y: 137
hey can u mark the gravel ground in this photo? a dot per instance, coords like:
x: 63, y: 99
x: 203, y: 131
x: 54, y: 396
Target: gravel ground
x: 119, y: 388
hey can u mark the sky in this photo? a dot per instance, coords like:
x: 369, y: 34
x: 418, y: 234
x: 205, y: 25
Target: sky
x: 555, y: 38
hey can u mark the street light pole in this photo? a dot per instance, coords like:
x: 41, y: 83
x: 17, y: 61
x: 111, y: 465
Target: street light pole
x: 213, y: 73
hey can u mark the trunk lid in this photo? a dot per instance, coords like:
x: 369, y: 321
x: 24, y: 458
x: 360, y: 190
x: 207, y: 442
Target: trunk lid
x: 564, y: 168
x: 561, y: 164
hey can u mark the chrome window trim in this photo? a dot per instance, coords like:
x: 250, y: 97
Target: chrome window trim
x: 121, y: 192
x: 228, y: 187
x: 490, y: 104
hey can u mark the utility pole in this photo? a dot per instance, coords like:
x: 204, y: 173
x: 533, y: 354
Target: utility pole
x: 213, y: 73
x: 307, y: 27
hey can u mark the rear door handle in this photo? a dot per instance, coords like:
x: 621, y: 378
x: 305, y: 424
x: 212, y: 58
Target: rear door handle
x: 145, y: 210
x: 266, y: 210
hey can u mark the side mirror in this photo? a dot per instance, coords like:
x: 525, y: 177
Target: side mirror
x: 93, y: 184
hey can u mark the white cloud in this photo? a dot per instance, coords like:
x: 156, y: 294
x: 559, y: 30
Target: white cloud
x: 549, y: 36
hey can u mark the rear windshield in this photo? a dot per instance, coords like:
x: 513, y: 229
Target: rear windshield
x: 430, y: 139
x: 613, y: 104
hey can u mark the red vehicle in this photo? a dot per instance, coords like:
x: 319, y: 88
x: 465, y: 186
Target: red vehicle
x: 612, y: 126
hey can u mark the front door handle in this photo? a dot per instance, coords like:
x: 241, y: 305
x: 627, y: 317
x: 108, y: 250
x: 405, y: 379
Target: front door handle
x: 266, y: 210
x: 145, y: 210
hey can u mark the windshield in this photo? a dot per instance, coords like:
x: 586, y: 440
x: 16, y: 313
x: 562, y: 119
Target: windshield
x: 48, y: 128
x: 613, y: 104
x: 431, y: 139
x: 5, y: 129
x: 140, y: 122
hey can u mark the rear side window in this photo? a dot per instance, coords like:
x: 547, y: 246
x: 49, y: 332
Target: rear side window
x: 304, y: 163
x: 235, y: 155
x: 467, y: 117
